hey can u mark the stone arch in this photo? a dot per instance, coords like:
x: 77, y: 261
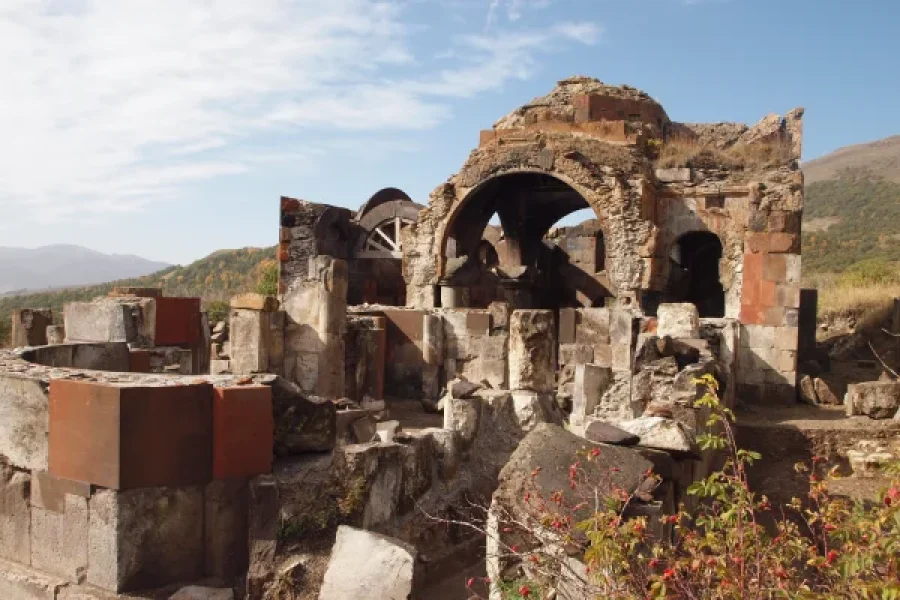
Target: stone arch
x: 613, y: 181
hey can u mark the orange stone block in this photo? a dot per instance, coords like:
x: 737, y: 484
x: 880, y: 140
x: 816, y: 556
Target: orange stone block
x: 177, y: 321
x: 243, y: 431
x: 767, y: 293
x: 125, y: 437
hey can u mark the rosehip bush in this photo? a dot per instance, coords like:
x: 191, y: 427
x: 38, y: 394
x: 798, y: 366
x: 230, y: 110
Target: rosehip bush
x: 734, y: 545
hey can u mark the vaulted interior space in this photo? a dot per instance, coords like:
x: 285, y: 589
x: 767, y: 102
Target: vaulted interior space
x: 518, y: 260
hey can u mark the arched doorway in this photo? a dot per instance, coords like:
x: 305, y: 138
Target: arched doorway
x: 530, y: 269
x: 694, y: 274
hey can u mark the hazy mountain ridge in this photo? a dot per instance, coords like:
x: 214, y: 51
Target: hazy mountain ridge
x: 62, y: 265
x: 218, y: 276
x: 881, y: 158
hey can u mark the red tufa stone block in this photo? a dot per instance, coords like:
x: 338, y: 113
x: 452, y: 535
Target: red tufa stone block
x: 752, y: 314
x: 283, y: 254
x: 289, y: 204
x: 750, y: 292
x: 139, y: 361
x: 125, y: 437
x: 177, y: 321
x: 753, y: 267
x: 243, y: 431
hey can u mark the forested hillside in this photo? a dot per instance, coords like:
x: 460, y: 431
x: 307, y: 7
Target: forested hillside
x: 851, y: 218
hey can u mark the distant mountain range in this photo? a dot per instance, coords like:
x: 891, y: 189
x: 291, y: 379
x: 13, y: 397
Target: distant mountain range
x: 34, y: 269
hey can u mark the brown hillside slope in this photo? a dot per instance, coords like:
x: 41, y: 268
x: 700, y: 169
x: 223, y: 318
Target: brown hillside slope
x: 881, y: 157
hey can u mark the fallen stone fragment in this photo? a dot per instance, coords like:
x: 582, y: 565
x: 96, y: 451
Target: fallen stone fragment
x: 367, y: 565
x: 463, y: 388
x: 875, y: 399
x: 604, y: 433
x: 364, y: 430
x: 824, y: 393
x: 808, y: 391
x: 663, y: 434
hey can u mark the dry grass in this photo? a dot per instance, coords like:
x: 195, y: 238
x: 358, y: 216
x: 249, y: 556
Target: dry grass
x: 683, y: 152
x: 838, y: 298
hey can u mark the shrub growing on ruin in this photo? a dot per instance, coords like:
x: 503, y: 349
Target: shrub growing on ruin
x: 736, y: 544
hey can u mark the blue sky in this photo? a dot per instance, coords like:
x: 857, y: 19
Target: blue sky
x: 169, y: 128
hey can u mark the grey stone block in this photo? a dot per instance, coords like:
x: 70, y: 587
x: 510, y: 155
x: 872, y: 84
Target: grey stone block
x: 226, y: 510
x: 59, y: 540
x: 148, y: 537
x: 15, y: 517
x: 24, y: 422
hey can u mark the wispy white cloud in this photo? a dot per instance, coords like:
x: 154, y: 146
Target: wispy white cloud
x: 513, y: 9
x: 109, y: 106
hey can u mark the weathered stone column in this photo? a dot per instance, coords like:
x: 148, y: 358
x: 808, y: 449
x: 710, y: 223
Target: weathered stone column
x: 316, y: 308
x: 532, y: 367
x: 432, y: 355
x: 532, y: 351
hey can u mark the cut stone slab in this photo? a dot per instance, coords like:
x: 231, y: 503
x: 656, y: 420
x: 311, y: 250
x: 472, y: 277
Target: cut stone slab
x: 876, y: 399
x: 604, y: 433
x: 194, y: 592
x: 367, y: 565
x: 678, y: 321
x: 255, y: 302
x: 662, y: 434
x: 824, y: 393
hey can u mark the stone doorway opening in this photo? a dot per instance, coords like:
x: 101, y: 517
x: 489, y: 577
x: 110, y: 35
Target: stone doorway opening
x: 694, y: 276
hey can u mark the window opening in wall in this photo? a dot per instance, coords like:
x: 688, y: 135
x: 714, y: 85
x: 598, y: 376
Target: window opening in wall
x: 695, y: 273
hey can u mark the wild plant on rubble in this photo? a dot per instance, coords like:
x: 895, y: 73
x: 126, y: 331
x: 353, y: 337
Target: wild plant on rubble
x: 735, y: 545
